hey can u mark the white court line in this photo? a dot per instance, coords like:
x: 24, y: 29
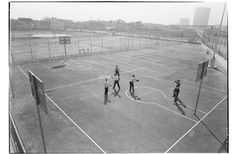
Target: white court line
x: 118, y: 61
x: 78, y: 69
x: 171, y: 64
x: 168, y: 97
x: 152, y: 61
x: 219, y: 90
x: 152, y: 103
x: 75, y: 124
x: 72, y: 84
x: 68, y: 117
x: 194, y: 125
x: 153, y: 89
x: 146, y: 93
x: 82, y: 82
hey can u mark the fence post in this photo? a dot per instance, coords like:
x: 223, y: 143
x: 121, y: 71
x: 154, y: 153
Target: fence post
x: 78, y: 45
x: 49, y: 48
x: 30, y: 48
x: 91, y: 45
x: 12, y: 58
x: 121, y: 43
x: 102, y: 42
x: 139, y: 42
x: 111, y: 43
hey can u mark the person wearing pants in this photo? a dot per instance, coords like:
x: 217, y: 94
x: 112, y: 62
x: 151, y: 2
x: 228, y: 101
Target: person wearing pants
x: 106, y: 85
x: 117, y: 71
x: 176, y: 96
x: 131, y: 84
x: 116, y: 81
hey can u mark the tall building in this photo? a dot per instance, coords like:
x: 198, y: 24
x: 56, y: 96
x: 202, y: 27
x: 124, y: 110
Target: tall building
x: 184, y: 21
x: 201, y: 16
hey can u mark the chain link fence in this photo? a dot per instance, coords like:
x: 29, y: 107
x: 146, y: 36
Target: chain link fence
x: 26, y: 48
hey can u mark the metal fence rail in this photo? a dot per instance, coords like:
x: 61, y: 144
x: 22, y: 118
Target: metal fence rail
x: 15, y: 138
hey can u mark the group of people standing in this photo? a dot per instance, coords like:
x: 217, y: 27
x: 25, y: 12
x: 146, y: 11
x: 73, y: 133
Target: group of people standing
x: 116, y: 79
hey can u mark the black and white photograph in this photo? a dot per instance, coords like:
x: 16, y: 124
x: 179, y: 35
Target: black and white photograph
x: 118, y: 77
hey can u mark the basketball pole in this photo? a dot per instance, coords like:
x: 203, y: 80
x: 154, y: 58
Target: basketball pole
x: 65, y: 50
x: 41, y: 128
x: 39, y: 117
x: 199, y: 91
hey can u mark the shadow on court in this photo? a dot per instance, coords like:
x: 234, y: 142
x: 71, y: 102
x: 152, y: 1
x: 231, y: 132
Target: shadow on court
x: 224, y: 144
x: 116, y: 92
x: 106, y: 100
x: 178, y: 106
x: 135, y: 97
x: 179, y: 109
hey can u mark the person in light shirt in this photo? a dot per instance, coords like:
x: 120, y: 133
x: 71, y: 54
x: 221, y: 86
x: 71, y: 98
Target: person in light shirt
x: 131, y: 83
x: 116, y: 81
x: 117, y: 71
x: 106, y: 86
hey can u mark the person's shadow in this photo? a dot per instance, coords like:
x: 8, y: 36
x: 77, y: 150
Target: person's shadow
x: 134, y: 96
x: 224, y: 144
x: 178, y: 106
x: 181, y: 103
x: 106, y: 100
x: 116, y: 93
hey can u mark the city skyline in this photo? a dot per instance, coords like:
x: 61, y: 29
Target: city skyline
x: 158, y: 13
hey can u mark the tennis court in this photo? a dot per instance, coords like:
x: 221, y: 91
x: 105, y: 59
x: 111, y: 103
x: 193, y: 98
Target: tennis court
x: 80, y: 120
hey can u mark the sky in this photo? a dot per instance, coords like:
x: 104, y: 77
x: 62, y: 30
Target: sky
x: 158, y: 13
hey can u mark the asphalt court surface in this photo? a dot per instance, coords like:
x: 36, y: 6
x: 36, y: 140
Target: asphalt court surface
x: 75, y: 98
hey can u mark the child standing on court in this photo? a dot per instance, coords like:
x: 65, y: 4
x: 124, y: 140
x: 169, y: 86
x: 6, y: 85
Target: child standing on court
x: 117, y: 71
x: 177, y: 83
x: 116, y: 81
x: 176, y: 94
x: 106, y: 85
x: 131, y: 84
